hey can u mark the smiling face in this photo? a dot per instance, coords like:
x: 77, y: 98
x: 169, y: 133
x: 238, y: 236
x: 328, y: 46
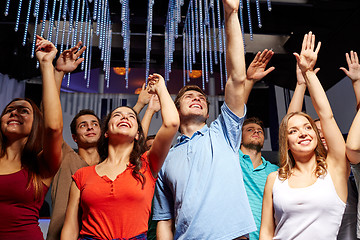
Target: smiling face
x: 302, y: 137
x: 17, y: 119
x: 193, y: 104
x: 123, y: 122
x: 87, y: 131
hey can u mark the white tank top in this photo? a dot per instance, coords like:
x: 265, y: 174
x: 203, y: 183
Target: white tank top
x: 313, y: 212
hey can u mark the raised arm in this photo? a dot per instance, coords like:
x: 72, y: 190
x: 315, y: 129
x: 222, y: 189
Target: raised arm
x: 67, y: 62
x: 153, y: 107
x: 336, y: 159
x: 256, y: 71
x: 353, y: 139
x: 143, y: 99
x: 297, y: 99
x: 52, y: 114
x: 235, y: 59
x: 169, y: 127
x: 354, y: 74
x: 71, y: 226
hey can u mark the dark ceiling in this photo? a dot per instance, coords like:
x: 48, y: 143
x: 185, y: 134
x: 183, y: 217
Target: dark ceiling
x: 336, y: 24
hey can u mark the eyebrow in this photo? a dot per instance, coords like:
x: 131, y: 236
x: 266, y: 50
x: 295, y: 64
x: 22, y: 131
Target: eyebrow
x: 21, y: 107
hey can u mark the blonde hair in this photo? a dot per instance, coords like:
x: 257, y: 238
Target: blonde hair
x: 287, y: 161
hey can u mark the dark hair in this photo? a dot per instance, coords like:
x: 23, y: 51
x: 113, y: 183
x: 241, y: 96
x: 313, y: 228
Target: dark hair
x: 31, y: 149
x: 150, y: 137
x: 184, y: 89
x: 79, y: 114
x: 254, y: 120
x: 138, y: 149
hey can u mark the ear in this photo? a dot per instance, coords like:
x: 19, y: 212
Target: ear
x: 137, y: 136
x: 106, y: 134
x: 74, y: 137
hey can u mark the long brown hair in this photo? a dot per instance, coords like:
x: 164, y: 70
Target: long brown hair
x: 31, y: 149
x: 287, y: 162
x: 138, y: 149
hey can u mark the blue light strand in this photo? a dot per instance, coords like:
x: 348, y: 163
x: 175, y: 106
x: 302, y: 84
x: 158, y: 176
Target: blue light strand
x: 201, y: 22
x: 99, y: 9
x: 58, y: 23
x: 51, y: 23
x: 206, y: 12
x: 63, y: 34
x: 6, y: 12
x: 224, y: 43
x: 46, y: 4
x: 189, y: 47
x: 36, y: 10
x: 258, y: 13
x: 249, y: 18
x: 189, y: 65
x: 219, y: 26
x: 75, y: 33
x: 192, y: 32
x: 269, y: 5
x: 221, y: 73
x: 89, y: 59
x: 202, y: 57
x: 214, y: 34
x: 196, y: 26
x: 148, y: 38
x: 68, y: 80
x: 65, y: 9
x: 82, y: 20
x: 86, y: 30
x: 71, y: 19
x: 18, y: 16
x: 242, y: 23
x: 210, y: 51
x: 95, y: 9
x: 27, y: 23
x: 184, y: 58
x: 206, y: 57
x: 88, y: 47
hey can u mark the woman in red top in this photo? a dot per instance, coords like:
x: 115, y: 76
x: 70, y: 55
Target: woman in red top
x: 30, y: 153
x: 115, y: 195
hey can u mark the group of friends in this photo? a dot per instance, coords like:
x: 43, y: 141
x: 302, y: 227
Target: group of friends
x: 212, y: 184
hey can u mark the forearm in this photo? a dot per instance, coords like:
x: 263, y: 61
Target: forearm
x: 247, y: 90
x: 58, y: 75
x: 169, y: 113
x: 138, y: 107
x: 146, y: 120
x: 297, y: 100
x: 164, y: 230
x: 356, y: 86
x: 353, y: 141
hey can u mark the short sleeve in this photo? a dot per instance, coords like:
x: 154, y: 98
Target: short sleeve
x: 78, y: 178
x: 163, y: 200
x: 232, y: 126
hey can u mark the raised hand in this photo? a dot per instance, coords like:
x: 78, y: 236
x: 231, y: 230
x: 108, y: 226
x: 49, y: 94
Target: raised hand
x: 144, y: 97
x: 299, y: 76
x: 154, y: 103
x: 308, y: 55
x: 155, y: 83
x: 70, y: 59
x: 256, y: 70
x: 45, y: 50
x: 354, y: 67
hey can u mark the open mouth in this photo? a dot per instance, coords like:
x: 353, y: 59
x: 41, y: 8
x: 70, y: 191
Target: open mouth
x: 123, y: 124
x: 14, y: 122
x: 305, y: 142
x: 195, y: 105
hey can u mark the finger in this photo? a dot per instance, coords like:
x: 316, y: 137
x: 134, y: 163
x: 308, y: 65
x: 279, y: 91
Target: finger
x: 312, y: 46
x: 257, y: 56
x: 297, y: 56
x: 318, y: 48
x: 143, y: 87
x: 352, y: 56
x: 348, y: 59
x: 309, y: 39
x: 80, y: 52
x: 79, y: 60
x: 268, y: 57
x: 345, y: 70
x: 39, y: 37
x: 262, y: 55
x: 356, y: 58
x: 316, y: 70
x: 269, y: 70
x: 303, y: 47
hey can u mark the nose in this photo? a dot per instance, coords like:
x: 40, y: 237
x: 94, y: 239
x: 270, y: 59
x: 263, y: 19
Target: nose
x: 14, y: 112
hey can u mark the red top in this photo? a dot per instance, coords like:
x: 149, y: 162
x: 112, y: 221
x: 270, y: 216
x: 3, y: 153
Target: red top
x: 19, y: 212
x: 115, y: 209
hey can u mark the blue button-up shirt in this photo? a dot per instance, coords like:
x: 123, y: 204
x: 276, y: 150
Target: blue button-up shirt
x: 200, y: 185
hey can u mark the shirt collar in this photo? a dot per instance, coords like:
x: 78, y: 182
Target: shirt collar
x: 248, y: 161
x: 183, y: 138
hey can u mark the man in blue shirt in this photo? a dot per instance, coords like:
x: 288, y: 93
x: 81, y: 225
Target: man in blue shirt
x: 255, y: 168
x: 200, y: 192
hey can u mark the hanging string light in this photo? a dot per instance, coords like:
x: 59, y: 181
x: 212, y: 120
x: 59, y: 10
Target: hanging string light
x: 148, y: 37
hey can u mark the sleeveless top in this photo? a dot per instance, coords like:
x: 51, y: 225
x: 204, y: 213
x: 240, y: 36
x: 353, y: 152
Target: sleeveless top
x: 312, y: 212
x: 19, y: 211
x: 114, y: 209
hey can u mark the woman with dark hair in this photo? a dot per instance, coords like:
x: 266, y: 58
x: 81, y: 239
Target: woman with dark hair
x: 306, y: 198
x: 30, y: 153
x: 115, y: 195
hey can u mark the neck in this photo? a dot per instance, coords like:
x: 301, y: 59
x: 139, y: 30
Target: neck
x: 89, y: 155
x: 305, y: 163
x: 189, y: 127
x: 119, y: 154
x: 254, y: 155
x: 13, y: 151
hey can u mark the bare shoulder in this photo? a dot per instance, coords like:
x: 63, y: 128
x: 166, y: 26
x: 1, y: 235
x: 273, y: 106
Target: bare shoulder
x: 271, y: 179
